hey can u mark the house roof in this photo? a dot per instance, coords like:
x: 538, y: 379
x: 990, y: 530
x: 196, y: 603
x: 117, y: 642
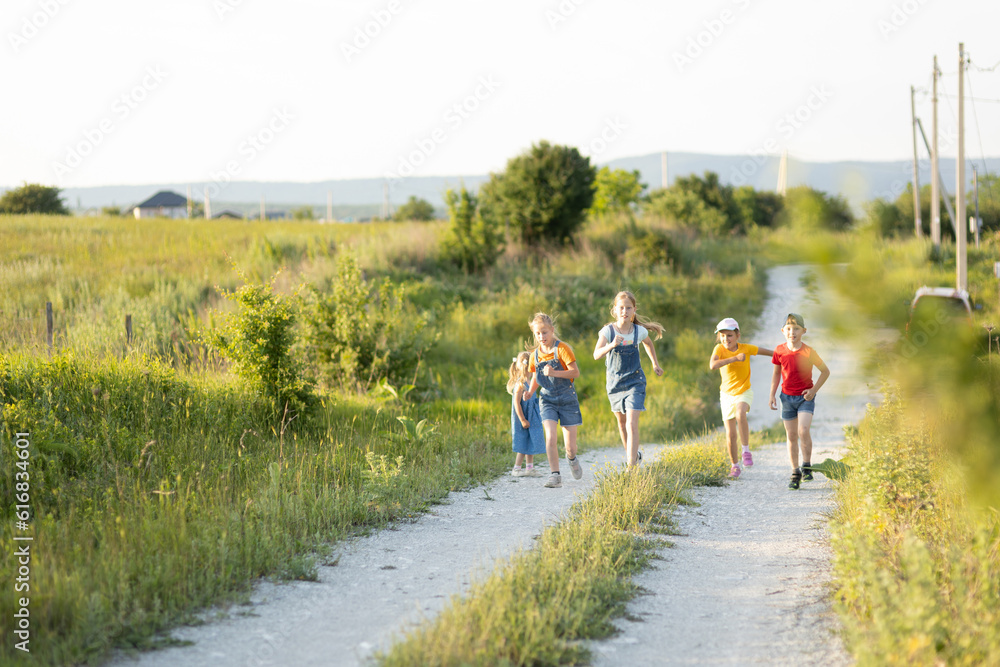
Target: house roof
x: 164, y: 198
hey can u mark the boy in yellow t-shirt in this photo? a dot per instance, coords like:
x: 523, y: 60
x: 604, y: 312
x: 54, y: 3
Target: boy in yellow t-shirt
x: 735, y: 394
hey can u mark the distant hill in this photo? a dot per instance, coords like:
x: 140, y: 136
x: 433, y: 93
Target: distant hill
x: 856, y: 181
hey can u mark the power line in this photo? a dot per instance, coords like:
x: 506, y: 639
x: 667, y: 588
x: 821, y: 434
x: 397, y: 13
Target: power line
x: 979, y: 135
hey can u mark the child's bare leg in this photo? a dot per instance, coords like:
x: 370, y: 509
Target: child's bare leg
x: 805, y: 436
x: 549, y: 427
x: 632, y: 441
x: 792, y: 436
x: 569, y: 439
x: 731, y: 440
x: 530, y: 458
x: 742, y: 423
x: 518, y: 459
x: 622, y: 429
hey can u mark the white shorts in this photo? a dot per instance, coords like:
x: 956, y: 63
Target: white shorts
x: 728, y: 402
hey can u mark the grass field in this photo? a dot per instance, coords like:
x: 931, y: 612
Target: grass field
x: 159, y: 483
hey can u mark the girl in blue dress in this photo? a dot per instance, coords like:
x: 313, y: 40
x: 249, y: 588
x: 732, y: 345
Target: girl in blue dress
x: 525, y: 419
x: 626, y: 383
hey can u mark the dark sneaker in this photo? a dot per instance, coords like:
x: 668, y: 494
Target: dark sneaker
x: 807, y: 473
x: 793, y: 483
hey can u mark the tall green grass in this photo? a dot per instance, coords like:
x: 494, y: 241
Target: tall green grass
x: 916, y: 534
x: 916, y: 564
x: 154, y: 495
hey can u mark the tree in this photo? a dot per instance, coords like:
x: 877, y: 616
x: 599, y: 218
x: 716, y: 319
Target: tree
x: 472, y: 242
x: 415, y: 208
x: 706, y: 204
x: 616, y: 191
x: 302, y: 213
x: 543, y: 194
x: 810, y: 209
x: 33, y: 198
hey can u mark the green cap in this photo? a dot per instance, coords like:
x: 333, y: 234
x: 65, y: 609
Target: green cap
x: 798, y: 319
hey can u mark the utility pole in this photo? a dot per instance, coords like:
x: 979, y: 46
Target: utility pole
x: 941, y: 187
x: 329, y: 206
x: 961, y: 231
x: 975, y: 196
x: 190, y: 203
x: 935, y: 174
x: 664, y: 181
x: 783, y: 174
x: 263, y: 209
x: 208, y: 206
x: 917, y: 223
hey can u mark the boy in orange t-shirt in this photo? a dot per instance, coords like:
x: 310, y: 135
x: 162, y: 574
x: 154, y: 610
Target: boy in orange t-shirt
x: 735, y: 395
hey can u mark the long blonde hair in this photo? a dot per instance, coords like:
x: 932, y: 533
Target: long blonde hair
x: 518, y: 374
x: 654, y: 327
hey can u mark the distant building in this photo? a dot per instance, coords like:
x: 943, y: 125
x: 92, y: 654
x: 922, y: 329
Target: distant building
x: 164, y: 204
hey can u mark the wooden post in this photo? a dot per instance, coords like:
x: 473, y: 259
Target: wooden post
x: 128, y: 329
x: 935, y: 175
x: 917, y: 223
x: 961, y: 222
x: 48, y: 325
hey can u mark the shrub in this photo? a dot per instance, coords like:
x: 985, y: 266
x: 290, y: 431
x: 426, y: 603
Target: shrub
x: 258, y: 341
x: 472, y: 242
x: 357, y: 335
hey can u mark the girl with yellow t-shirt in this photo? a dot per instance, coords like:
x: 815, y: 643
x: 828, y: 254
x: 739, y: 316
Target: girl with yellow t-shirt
x: 735, y: 395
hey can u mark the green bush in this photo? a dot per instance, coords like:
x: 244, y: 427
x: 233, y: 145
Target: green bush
x: 356, y: 335
x: 472, y: 242
x: 258, y: 341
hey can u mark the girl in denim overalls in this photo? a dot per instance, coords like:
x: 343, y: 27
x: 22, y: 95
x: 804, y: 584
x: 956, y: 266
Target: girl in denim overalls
x: 626, y: 383
x: 553, y: 367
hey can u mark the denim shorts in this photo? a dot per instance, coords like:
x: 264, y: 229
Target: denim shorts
x: 563, y: 408
x: 791, y: 406
x: 633, y: 398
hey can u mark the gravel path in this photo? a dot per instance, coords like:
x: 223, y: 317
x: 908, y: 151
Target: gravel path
x: 745, y: 583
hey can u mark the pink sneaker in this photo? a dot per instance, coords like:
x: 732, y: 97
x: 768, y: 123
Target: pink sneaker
x: 747, y: 459
x: 734, y: 471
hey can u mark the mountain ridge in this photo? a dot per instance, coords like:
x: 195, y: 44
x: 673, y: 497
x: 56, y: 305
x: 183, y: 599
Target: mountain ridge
x: 858, y: 181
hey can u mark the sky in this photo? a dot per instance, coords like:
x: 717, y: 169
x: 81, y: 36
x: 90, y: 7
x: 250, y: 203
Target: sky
x: 112, y: 92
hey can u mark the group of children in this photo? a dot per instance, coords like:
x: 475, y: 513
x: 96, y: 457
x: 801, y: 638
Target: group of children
x: 549, y: 367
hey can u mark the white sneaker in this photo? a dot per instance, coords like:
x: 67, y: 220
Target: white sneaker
x: 531, y: 472
x: 575, y: 467
x: 554, y: 481
x: 516, y: 472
